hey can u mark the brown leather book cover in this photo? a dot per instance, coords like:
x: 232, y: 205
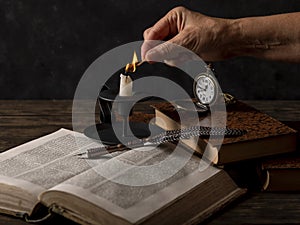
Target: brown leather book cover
x: 284, y: 162
x: 265, y: 135
x: 280, y: 173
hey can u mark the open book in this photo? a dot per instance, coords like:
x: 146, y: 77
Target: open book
x: 46, y: 172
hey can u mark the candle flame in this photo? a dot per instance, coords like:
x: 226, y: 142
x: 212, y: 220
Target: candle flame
x: 131, y: 67
x: 134, y: 58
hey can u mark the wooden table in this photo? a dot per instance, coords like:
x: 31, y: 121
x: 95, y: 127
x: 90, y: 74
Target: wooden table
x: 25, y: 120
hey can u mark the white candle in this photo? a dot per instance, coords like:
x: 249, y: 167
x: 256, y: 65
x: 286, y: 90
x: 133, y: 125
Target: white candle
x: 125, y: 85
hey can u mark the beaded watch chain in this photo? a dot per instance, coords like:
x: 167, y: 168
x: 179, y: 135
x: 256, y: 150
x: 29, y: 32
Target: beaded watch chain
x: 166, y: 136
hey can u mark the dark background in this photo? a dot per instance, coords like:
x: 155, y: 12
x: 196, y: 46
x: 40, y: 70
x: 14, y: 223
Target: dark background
x: 46, y: 45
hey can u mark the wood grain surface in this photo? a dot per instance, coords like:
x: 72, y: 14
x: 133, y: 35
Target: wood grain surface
x: 21, y: 121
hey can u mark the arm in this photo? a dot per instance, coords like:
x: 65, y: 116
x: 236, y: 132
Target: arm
x: 274, y: 37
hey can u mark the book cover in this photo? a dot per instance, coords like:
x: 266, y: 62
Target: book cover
x: 280, y: 173
x: 265, y: 135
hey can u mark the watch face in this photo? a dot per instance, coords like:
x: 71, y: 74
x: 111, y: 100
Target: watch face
x: 205, y: 89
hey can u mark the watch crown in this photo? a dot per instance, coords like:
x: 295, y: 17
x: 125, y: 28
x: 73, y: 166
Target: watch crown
x: 209, y: 68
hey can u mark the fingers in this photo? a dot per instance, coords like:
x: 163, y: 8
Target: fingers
x: 158, y: 32
x: 166, y: 27
x: 160, y: 52
x: 172, y: 52
x: 147, y: 45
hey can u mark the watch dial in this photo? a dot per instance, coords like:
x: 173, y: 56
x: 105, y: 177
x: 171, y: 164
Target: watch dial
x: 205, y: 90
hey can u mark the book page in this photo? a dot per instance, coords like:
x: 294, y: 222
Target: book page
x: 105, y: 185
x: 47, y: 161
x: 110, y: 178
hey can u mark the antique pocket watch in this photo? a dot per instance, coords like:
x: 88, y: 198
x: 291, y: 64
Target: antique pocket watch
x: 206, y: 89
x: 206, y: 92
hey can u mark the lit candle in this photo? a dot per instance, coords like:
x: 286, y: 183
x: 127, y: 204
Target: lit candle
x: 125, y: 80
x: 125, y: 85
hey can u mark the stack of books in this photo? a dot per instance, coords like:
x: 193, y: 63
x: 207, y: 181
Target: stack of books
x: 44, y: 177
x: 269, y: 145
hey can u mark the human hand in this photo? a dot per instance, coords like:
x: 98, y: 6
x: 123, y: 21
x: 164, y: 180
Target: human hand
x: 205, y: 36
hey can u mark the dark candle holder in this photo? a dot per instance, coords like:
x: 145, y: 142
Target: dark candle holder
x: 109, y: 94
x: 110, y: 135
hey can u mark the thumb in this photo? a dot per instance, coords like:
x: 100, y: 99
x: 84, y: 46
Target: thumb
x: 171, y: 51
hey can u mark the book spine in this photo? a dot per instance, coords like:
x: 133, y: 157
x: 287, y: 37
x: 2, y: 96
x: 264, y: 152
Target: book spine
x: 51, y: 211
